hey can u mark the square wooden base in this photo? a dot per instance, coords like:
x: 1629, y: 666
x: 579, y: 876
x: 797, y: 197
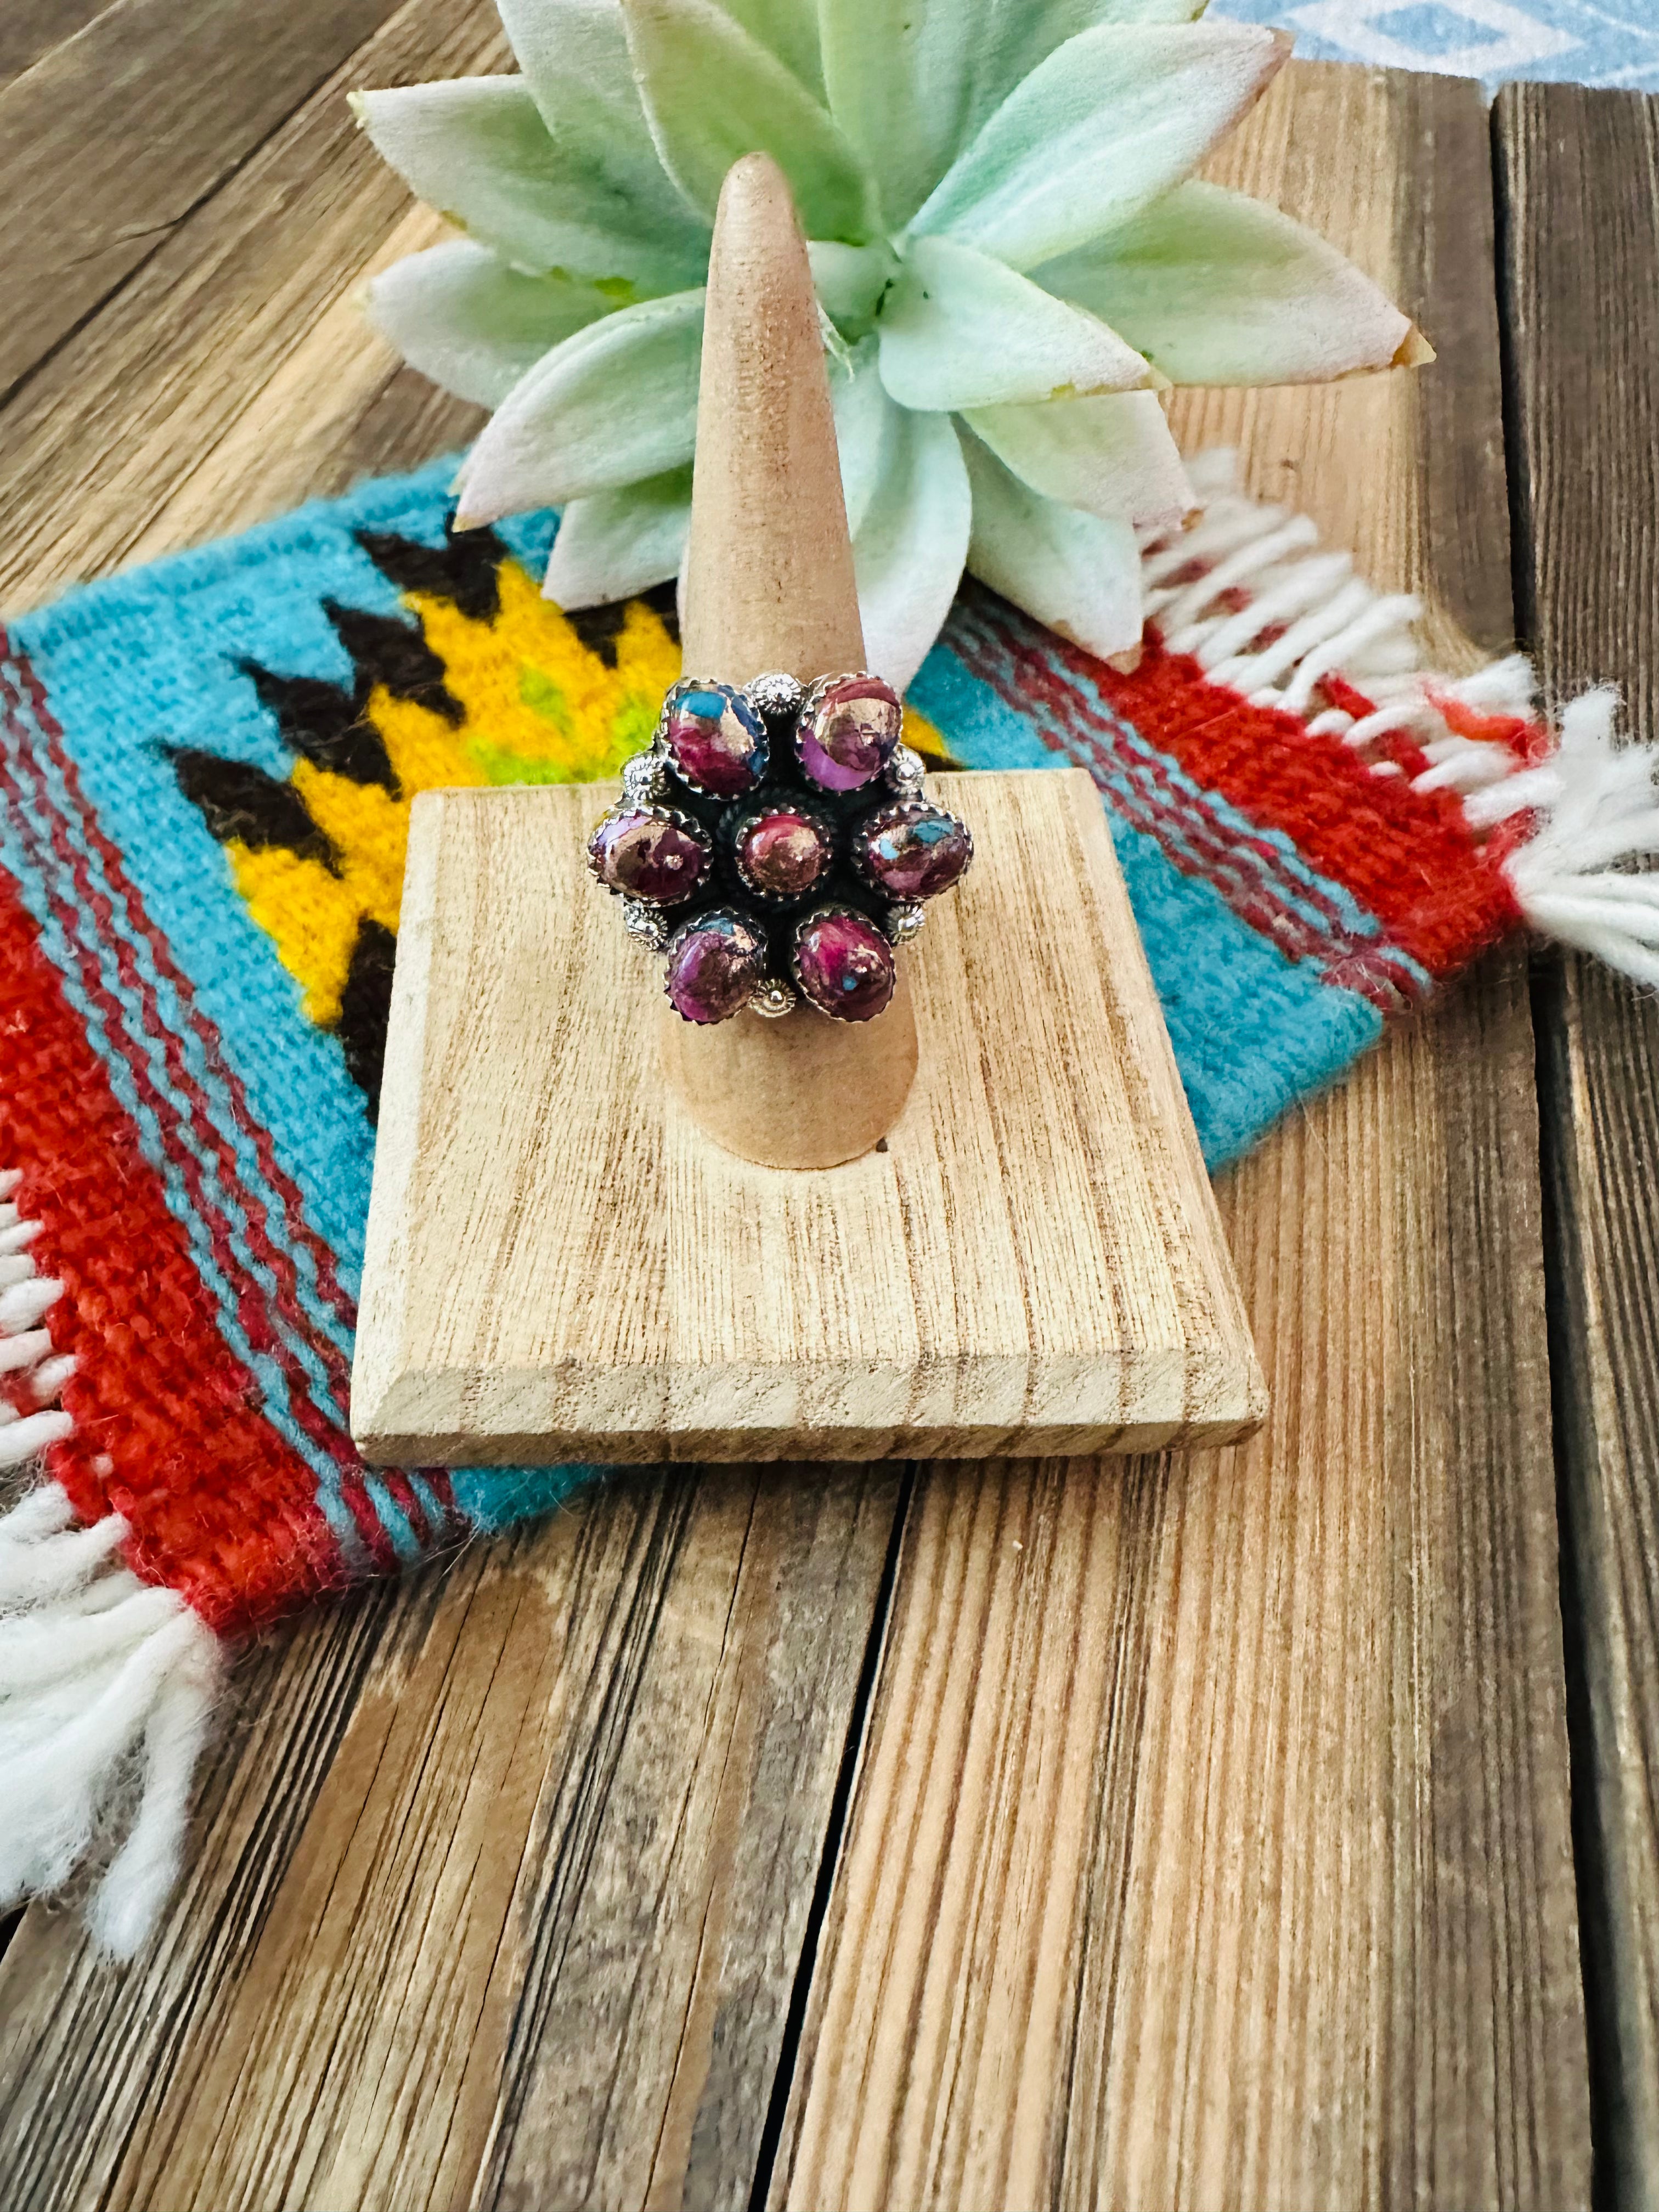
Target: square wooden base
x: 562, y: 1267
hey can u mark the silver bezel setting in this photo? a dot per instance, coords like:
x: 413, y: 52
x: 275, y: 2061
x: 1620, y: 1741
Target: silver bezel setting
x: 831, y: 908
x: 695, y: 830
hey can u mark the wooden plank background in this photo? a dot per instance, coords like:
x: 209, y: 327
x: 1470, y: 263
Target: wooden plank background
x: 1580, y: 176
x: 1187, y: 1831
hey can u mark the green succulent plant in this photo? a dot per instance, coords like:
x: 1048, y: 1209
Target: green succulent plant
x: 1012, y: 258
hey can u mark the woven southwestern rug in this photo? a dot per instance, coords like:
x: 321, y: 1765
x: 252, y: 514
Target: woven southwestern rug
x: 206, y: 768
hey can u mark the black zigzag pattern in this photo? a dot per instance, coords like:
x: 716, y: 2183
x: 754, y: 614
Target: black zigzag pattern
x: 237, y: 800
x: 464, y: 569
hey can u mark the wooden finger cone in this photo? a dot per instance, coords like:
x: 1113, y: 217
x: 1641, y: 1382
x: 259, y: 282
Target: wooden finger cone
x: 769, y: 585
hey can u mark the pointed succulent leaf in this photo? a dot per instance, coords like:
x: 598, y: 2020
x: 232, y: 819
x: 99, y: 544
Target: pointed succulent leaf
x: 787, y: 28
x: 472, y: 324
x: 614, y: 543
x: 1112, y: 456
x: 477, y: 150
x: 712, y: 93
x: 959, y: 329
x: 1216, y: 288
x: 911, y: 86
x: 1077, y: 573
x: 616, y: 402
x: 1108, y: 123
x: 574, y: 58
x: 911, y: 541
x: 861, y: 407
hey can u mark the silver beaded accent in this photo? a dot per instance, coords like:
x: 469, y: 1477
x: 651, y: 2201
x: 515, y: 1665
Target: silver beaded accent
x: 772, y: 1000
x: 644, y: 923
x: 774, y: 695
x: 905, y: 770
x: 644, y: 778
x: 904, y: 921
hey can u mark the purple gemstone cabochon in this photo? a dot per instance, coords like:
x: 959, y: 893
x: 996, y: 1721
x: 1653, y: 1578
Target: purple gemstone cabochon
x: 916, y: 852
x: 649, y: 856
x: 783, y: 852
x: 851, y: 733
x: 714, y: 966
x: 717, y: 740
x: 845, y: 965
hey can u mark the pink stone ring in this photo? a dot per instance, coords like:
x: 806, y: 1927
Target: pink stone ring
x: 773, y: 844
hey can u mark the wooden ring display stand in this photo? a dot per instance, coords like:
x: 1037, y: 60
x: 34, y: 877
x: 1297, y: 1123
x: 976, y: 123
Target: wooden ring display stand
x: 979, y: 1223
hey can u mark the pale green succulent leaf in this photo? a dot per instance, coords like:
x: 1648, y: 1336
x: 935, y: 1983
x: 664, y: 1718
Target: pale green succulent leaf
x: 712, y: 93
x: 861, y: 407
x: 613, y: 544
x: 850, y: 280
x: 1216, y: 288
x: 959, y: 330
x: 472, y: 324
x: 1107, y: 124
x: 911, y: 86
x: 616, y: 402
x: 911, y: 541
x: 477, y: 150
x: 574, y: 54
x: 1113, y: 456
x: 787, y: 28
x: 1077, y: 573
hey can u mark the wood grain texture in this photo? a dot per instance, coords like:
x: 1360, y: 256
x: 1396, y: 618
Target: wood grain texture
x: 112, y: 449
x: 1580, y: 288
x: 112, y: 138
x: 524, y: 1931
x: 1210, y: 1843
x: 561, y: 1265
x: 31, y: 28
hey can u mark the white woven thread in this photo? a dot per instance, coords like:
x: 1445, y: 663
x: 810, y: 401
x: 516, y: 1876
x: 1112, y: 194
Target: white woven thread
x: 107, y: 1684
x: 1248, y: 594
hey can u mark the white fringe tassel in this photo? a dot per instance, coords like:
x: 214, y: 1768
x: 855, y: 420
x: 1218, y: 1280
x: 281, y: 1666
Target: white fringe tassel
x: 1248, y: 594
x: 107, y: 1684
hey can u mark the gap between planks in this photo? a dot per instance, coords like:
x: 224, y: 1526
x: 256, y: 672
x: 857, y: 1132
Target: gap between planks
x: 1579, y: 175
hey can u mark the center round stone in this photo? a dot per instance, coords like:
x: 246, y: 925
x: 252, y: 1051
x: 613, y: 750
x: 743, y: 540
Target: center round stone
x: 782, y: 853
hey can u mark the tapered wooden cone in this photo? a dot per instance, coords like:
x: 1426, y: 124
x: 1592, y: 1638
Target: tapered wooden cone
x: 769, y: 585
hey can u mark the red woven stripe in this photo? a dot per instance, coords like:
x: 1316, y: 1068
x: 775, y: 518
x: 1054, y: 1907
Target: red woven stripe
x: 251, y: 1311
x: 139, y: 921
x: 167, y: 1426
x: 1407, y: 856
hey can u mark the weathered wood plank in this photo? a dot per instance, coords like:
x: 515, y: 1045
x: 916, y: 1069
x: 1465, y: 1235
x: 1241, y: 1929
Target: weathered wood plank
x: 237, y: 333
x: 504, y: 1888
x: 1580, y: 287
x: 1210, y: 1838
x: 112, y: 138
x: 30, y: 29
